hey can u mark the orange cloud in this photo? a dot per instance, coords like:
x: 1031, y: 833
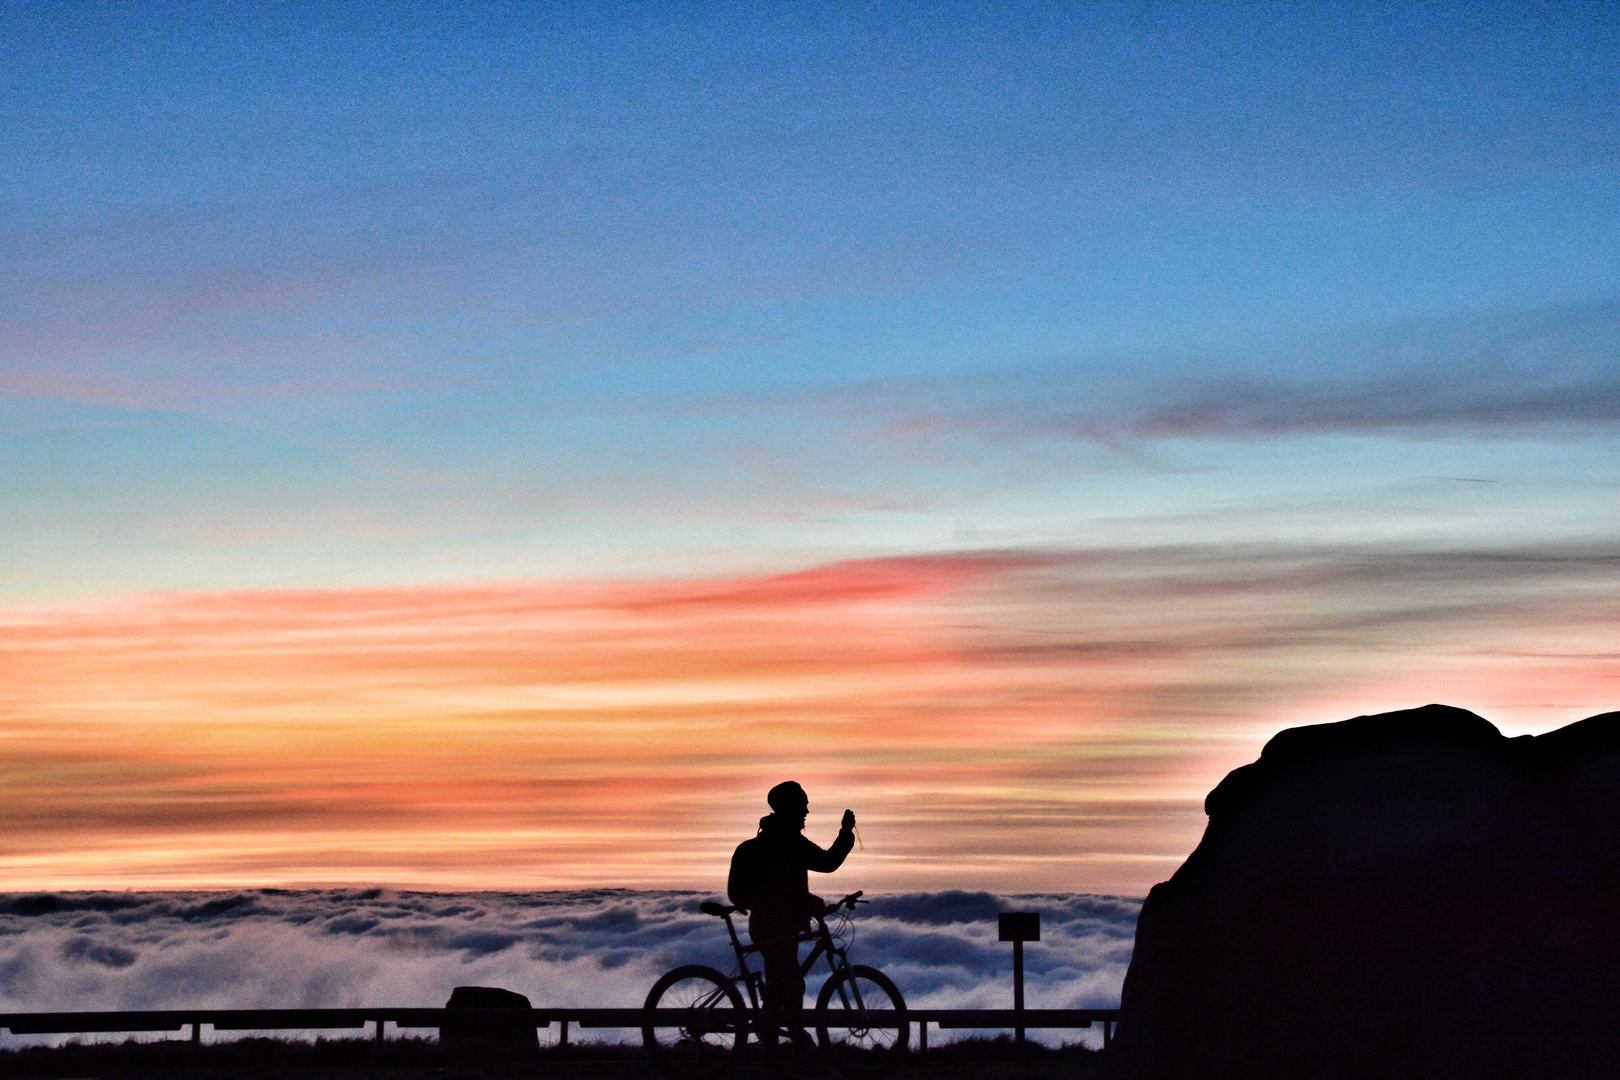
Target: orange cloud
x: 1027, y: 720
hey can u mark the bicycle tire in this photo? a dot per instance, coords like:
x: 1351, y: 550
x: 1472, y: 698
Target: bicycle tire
x: 698, y: 1047
x: 858, y: 1048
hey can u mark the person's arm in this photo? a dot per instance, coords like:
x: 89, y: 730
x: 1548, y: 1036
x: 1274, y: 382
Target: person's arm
x: 825, y: 862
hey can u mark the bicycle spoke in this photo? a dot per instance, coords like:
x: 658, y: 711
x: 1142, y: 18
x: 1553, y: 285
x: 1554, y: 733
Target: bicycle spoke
x: 861, y: 1021
x: 707, y: 1041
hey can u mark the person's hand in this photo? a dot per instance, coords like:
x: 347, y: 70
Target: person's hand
x: 849, y: 819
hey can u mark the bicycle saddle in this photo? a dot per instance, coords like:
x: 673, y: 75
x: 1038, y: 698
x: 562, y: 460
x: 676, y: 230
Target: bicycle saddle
x: 709, y: 907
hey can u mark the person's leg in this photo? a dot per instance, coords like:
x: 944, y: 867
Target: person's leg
x: 790, y: 1002
x: 784, y: 987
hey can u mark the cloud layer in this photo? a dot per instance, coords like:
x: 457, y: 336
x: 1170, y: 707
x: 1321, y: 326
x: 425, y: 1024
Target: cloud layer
x: 1017, y: 721
x: 1533, y: 373
x: 348, y: 948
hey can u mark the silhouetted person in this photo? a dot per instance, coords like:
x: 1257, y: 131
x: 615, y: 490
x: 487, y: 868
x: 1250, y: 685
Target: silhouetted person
x: 770, y: 883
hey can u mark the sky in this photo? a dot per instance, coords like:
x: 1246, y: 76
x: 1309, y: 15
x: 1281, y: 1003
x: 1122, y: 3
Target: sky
x: 477, y: 446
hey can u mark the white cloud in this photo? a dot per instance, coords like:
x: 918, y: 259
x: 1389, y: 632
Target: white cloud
x: 349, y: 948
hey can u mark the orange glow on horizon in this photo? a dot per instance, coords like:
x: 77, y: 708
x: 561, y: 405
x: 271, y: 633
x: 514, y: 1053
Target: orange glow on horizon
x: 1007, y: 722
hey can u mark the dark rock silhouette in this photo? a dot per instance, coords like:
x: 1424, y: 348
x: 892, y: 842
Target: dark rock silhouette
x: 1404, y: 895
x: 512, y: 1037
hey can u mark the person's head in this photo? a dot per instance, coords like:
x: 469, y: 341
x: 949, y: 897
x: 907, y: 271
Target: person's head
x: 789, y: 802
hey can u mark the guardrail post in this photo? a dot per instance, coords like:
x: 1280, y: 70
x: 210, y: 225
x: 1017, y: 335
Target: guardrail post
x: 922, y: 1038
x: 562, y: 1034
x: 196, y: 1033
x: 381, y: 1024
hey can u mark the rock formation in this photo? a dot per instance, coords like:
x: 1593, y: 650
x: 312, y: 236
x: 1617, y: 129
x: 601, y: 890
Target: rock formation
x: 1404, y: 895
x: 484, y: 1028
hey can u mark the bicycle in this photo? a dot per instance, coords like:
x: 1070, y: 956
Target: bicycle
x: 860, y: 1017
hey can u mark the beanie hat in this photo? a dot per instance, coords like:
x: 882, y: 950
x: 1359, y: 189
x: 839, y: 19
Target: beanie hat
x: 787, y: 797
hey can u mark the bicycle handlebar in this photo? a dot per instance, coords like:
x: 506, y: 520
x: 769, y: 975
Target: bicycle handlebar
x: 849, y: 901
x: 709, y: 907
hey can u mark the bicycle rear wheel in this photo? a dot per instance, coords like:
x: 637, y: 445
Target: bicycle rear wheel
x: 705, y: 1041
x: 861, y: 1022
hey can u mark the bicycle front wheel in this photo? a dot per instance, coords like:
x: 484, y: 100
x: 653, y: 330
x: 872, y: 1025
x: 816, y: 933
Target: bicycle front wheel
x: 861, y: 1022
x: 709, y: 1036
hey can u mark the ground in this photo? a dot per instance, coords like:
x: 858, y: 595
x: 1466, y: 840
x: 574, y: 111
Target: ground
x: 251, y: 1059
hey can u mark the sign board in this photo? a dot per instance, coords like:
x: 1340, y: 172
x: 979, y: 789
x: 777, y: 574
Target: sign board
x: 1020, y: 926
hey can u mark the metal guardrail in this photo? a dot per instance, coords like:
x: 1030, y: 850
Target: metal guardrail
x: 988, y: 1019
x: 75, y: 1023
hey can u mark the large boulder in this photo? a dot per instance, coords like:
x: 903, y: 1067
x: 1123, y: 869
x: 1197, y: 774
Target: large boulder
x: 1411, y: 894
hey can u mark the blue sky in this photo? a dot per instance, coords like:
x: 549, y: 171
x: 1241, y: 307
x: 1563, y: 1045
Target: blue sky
x: 616, y: 289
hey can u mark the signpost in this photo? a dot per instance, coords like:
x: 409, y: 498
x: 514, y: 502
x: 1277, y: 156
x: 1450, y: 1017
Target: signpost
x: 1019, y: 927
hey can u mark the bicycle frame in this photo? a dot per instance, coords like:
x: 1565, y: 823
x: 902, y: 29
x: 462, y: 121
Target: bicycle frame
x: 825, y: 945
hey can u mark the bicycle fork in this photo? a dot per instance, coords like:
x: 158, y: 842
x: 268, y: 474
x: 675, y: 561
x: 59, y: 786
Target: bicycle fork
x: 850, y: 988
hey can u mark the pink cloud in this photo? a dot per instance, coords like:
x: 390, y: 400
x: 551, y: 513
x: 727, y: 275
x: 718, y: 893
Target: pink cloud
x: 1021, y: 719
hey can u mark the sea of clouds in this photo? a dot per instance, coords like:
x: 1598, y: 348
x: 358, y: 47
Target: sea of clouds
x: 271, y: 948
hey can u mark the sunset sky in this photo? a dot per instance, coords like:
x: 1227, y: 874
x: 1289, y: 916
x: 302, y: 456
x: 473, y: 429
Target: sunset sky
x: 487, y: 446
